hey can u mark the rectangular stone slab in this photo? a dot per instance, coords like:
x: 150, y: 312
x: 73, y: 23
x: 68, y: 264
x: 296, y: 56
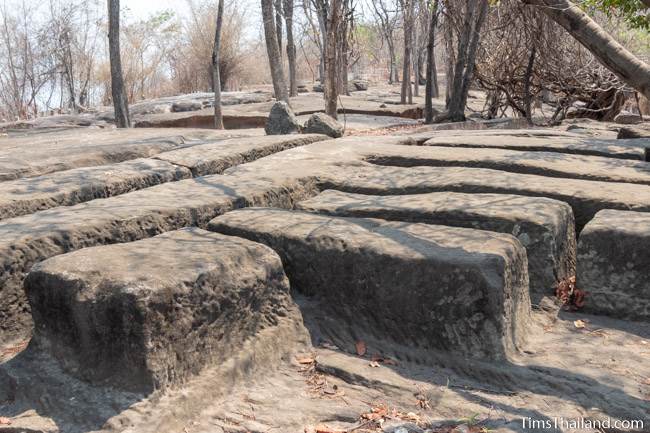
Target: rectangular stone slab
x: 146, y: 315
x: 28, y: 239
x: 611, y: 148
x: 614, y: 264
x: 214, y: 158
x: 460, y: 290
x: 540, y: 163
x: 584, y: 196
x: 36, y: 155
x: 544, y: 227
x: 69, y: 187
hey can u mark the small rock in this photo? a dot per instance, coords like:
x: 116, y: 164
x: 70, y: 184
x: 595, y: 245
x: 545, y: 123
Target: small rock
x: 627, y: 132
x: 627, y: 118
x: 360, y: 84
x: 321, y: 123
x: 282, y: 120
x: 182, y: 106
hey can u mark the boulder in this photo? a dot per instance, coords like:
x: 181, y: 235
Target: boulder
x: 458, y: 290
x: 318, y: 87
x: 282, y: 120
x: 627, y: 118
x: 613, y: 264
x: 321, y: 123
x: 182, y: 106
x: 544, y: 227
x: 360, y: 84
x: 148, y: 314
x: 630, y: 132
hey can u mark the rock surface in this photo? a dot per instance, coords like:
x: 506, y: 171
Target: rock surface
x: 28, y: 239
x: 585, y: 197
x: 147, y: 314
x: 67, y: 188
x: 545, y: 142
x: 282, y: 120
x: 321, y: 123
x: 541, y: 163
x: 614, y: 264
x: 339, y: 164
x: 30, y: 422
x: 380, y: 276
x: 544, y: 227
x: 214, y: 158
x: 36, y: 155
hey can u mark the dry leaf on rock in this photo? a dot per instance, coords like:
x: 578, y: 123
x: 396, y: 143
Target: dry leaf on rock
x: 361, y: 348
x: 580, y: 324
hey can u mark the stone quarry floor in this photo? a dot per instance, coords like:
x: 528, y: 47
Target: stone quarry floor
x: 568, y: 372
x: 315, y: 371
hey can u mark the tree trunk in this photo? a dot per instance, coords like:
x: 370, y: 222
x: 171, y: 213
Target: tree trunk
x: 415, y: 49
x: 331, y: 62
x: 216, y: 78
x: 273, y: 51
x: 120, y: 102
x: 278, y: 24
x: 393, y: 78
x: 466, y: 58
x: 448, y: 34
x: 291, y: 47
x: 527, y: 81
x: 610, y: 53
x: 406, y: 69
x: 431, y: 91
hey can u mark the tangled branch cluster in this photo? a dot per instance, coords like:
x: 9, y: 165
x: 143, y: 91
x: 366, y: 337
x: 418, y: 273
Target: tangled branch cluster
x: 527, y: 63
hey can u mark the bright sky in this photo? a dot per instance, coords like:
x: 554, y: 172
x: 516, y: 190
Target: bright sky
x: 144, y: 8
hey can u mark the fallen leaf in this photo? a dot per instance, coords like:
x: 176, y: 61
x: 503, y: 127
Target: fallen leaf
x: 361, y: 348
x: 305, y: 360
x: 376, y: 413
x: 580, y: 324
x: 322, y: 428
x: 4, y: 421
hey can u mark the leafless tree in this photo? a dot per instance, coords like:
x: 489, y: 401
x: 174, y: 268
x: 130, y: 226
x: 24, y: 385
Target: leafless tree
x: 120, y: 101
x: 216, y: 79
x: 461, y: 64
x: 603, y: 46
x: 331, y: 88
x: 291, y: 47
x: 387, y: 15
x: 406, y: 94
x: 273, y: 51
x: 431, y: 89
